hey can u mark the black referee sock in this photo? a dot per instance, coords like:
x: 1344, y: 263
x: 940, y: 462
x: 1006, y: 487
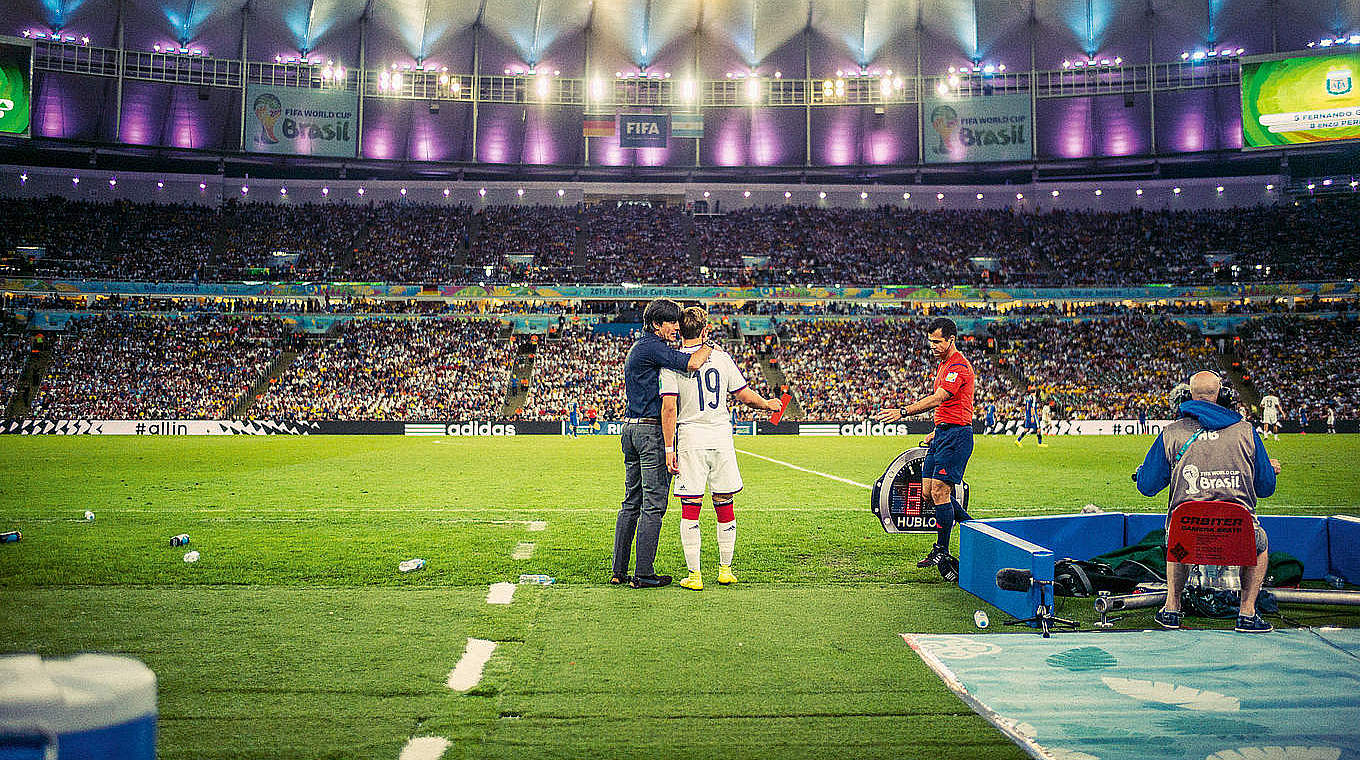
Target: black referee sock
x: 944, y: 522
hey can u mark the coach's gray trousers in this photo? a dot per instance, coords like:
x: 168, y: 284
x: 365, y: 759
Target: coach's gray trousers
x: 646, y: 486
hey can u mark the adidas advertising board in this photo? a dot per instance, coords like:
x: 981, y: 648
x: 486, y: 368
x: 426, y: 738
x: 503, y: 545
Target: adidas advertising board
x: 460, y: 428
x: 897, y: 499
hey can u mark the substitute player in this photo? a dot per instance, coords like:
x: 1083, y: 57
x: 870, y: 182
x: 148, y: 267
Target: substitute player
x: 949, y: 444
x: 1031, y: 424
x: 697, y: 427
x: 1270, y: 415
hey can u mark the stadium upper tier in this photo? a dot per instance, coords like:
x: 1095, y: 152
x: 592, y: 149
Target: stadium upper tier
x: 517, y: 84
x: 433, y: 243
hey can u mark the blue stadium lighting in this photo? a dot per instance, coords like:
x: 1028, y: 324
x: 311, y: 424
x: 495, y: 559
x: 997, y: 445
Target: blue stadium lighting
x: 1198, y: 55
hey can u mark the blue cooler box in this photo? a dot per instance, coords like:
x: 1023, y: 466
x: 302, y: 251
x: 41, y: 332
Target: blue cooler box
x: 86, y: 707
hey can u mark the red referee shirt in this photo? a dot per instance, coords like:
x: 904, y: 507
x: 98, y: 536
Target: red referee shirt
x: 956, y: 376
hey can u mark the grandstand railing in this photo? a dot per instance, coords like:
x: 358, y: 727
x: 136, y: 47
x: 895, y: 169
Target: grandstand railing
x: 845, y: 89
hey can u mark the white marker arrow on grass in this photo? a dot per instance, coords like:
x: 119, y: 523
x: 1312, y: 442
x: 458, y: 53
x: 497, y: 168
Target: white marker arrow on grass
x: 468, y: 672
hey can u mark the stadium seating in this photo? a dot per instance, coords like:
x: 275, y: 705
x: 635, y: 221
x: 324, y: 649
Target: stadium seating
x: 640, y: 243
x: 1309, y: 364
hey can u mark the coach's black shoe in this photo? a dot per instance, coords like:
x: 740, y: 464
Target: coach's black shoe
x: 620, y: 579
x: 932, y: 559
x: 949, y: 568
x: 650, y: 581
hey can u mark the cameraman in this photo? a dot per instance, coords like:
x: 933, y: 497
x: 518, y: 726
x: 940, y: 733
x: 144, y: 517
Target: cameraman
x: 1210, y: 438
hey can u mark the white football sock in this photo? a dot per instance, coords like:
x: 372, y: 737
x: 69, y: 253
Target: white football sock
x: 690, y: 539
x: 727, y: 541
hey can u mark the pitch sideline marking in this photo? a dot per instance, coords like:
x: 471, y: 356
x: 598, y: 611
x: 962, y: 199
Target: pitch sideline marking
x: 536, y: 525
x: 468, y: 672
x: 523, y: 550
x: 424, y: 748
x: 804, y: 469
x: 501, y: 593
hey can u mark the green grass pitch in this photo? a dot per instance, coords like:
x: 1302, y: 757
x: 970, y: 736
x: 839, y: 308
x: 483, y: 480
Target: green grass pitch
x: 295, y: 636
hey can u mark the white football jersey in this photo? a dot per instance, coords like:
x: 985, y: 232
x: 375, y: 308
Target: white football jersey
x: 1271, y: 402
x: 704, y: 420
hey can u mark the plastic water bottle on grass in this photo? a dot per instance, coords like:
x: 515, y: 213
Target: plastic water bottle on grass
x: 180, y: 540
x: 411, y: 565
x: 537, y: 578
x: 10, y: 537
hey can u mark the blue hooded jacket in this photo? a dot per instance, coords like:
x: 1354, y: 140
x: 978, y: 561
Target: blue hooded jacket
x: 1155, y: 472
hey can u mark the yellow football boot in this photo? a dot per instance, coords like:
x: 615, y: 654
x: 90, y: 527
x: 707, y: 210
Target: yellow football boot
x: 725, y: 576
x: 694, y: 582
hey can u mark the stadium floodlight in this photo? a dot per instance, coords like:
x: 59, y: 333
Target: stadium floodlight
x: 203, y: 186
x: 1324, y: 43
x: 1067, y: 64
x: 753, y: 89
x: 1118, y: 61
x: 822, y: 195
x: 543, y: 86
x: 906, y: 196
x: 787, y: 195
x: 1176, y: 190
x: 75, y: 180
x: 1019, y: 196
x: 481, y: 191
x: 24, y: 178
x: 840, y: 88
x: 885, y: 86
x: 361, y: 191
x: 520, y: 192
x: 863, y: 195
x: 1354, y: 39
x: 283, y: 191
x: 112, y: 182
x: 446, y: 192
x: 325, y: 191
x: 942, y: 88
x: 1355, y: 183
x: 244, y: 189
x: 1270, y: 187
x: 706, y: 193
x: 1139, y: 191
x: 979, y: 196
x: 1185, y: 56
x: 1219, y: 188
x: 1055, y: 193
x: 954, y: 80
x: 939, y: 196
x: 1100, y: 192
x: 456, y: 86
x: 396, y: 81
x: 777, y: 75
x: 1326, y: 183
x: 1198, y: 55
x: 403, y: 192
x: 1311, y: 185
x: 746, y: 194
x: 560, y: 192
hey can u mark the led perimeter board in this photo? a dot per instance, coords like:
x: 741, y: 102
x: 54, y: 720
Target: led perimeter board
x: 1300, y: 100
x: 16, y: 85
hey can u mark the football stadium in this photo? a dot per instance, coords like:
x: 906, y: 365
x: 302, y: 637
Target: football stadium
x: 389, y: 378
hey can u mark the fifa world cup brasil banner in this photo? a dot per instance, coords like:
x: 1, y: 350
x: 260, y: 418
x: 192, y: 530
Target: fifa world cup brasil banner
x: 985, y: 128
x: 1297, y: 101
x: 16, y: 87
x: 301, y: 121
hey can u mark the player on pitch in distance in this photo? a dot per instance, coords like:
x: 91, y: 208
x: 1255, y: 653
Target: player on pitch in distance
x: 697, y: 427
x: 949, y: 444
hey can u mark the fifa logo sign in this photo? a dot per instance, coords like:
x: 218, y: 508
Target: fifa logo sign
x: 6, y: 105
x: 1338, y: 81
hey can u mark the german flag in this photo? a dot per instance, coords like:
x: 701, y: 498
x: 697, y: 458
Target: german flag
x: 599, y: 126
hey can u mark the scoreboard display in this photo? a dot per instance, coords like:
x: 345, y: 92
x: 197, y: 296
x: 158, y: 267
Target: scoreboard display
x: 1300, y: 100
x: 16, y: 85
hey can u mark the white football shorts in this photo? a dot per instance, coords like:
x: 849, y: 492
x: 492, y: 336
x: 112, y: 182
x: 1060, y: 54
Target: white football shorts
x: 1270, y: 417
x: 715, y: 468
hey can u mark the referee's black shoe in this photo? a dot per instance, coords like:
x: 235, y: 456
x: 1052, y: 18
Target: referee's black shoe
x: 933, y: 559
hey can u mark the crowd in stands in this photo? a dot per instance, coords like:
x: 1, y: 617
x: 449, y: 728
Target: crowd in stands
x: 581, y: 366
x: 1101, y: 368
x: 14, y: 350
x: 1311, y: 365
x: 122, y: 366
x: 406, y: 369
x: 604, y: 243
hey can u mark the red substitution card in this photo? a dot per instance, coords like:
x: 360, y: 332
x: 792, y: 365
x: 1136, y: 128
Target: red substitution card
x: 783, y: 405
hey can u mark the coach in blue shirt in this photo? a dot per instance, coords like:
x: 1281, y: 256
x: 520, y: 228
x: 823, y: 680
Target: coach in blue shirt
x: 646, y: 480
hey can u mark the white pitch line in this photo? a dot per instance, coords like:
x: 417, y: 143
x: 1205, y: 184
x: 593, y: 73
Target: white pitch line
x: 501, y: 593
x: 468, y: 672
x: 424, y: 748
x: 523, y: 550
x: 804, y: 469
